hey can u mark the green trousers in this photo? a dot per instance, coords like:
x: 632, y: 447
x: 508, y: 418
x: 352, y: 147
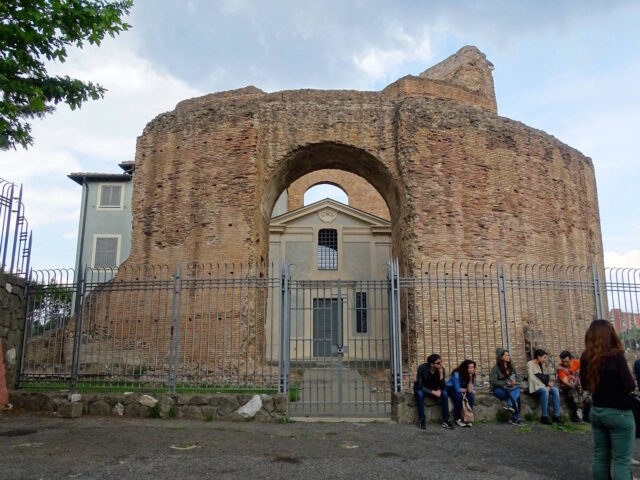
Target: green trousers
x: 613, y: 442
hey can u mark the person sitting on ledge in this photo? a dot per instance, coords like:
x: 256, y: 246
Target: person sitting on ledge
x: 541, y: 385
x: 568, y: 375
x: 504, y: 384
x: 462, y: 383
x: 430, y: 382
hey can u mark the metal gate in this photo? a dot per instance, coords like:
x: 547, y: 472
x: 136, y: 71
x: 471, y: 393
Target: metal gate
x: 335, y: 358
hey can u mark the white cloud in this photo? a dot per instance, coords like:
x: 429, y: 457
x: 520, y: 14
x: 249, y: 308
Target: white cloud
x: 629, y: 259
x: 383, y: 63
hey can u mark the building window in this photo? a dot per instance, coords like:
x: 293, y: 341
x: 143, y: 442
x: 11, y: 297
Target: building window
x: 106, y: 251
x: 110, y: 196
x: 328, y: 249
x: 361, y: 312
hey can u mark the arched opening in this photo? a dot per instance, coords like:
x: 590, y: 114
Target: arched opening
x: 311, y: 166
x: 320, y: 191
x: 336, y: 258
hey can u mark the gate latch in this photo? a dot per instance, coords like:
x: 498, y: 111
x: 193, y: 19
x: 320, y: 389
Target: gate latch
x: 337, y: 350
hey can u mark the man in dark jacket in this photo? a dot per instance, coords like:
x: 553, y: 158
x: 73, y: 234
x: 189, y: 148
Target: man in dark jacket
x: 430, y: 381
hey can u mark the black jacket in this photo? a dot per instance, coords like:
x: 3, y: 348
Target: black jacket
x: 428, y: 381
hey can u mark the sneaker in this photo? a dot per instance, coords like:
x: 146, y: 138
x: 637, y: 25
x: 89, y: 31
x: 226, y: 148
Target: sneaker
x: 556, y: 419
x: 448, y: 425
x: 423, y: 426
x: 545, y: 420
x: 517, y: 422
x: 508, y: 407
x: 462, y: 424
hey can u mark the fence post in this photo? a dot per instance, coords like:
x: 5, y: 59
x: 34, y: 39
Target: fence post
x: 502, y: 304
x: 25, y: 329
x: 77, y: 334
x: 395, y: 331
x: 174, y: 341
x: 283, y: 355
x: 7, y: 229
x: 597, y: 294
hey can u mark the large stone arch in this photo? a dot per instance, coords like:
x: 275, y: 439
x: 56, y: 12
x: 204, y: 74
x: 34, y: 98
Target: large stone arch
x: 328, y: 155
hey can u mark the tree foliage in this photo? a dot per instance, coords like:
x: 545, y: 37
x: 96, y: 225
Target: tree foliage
x: 35, y: 31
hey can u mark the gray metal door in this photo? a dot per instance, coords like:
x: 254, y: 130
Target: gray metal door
x: 338, y: 355
x: 325, y: 325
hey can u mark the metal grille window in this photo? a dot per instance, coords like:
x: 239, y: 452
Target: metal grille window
x: 361, y: 312
x: 110, y: 196
x: 106, y: 253
x: 328, y: 249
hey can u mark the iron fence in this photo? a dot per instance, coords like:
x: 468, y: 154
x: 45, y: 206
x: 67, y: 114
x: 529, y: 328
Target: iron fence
x: 192, y: 326
x: 469, y: 309
x: 228, y: 326
x: 15, y: 237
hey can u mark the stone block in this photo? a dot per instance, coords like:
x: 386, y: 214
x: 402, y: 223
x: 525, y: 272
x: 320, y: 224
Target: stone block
x: 118, y: 410
x: 209, y: 411
x: 249, y: 409
x: 263, y: 416
x: 198, y: 400
x: 267, y: 403
x: 71, y: 410
x: 225, y: 403
x: 192, y: 412
x: 132, y: 409
x: 100, y: 408
x: 147, y: 401
x: 281, y: 402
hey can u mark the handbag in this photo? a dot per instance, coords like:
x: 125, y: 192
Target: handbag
x: 544, y: 378
x: 467, y: 411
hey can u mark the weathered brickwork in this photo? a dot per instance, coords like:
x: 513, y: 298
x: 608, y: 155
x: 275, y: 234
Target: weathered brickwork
x: 459, y: 180
x: 360, y: 192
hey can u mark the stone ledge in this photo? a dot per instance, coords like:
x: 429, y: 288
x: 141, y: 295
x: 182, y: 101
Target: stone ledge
x: 404, y: 409
x: 217, y: 406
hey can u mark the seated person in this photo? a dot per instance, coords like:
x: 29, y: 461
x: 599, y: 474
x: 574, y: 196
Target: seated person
x: 540, y: 385
x: 504, y: 384
x: 568, y: 375
x: 462, y: 382
x: 430, y: 382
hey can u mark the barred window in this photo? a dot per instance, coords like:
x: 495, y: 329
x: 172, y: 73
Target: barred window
x: 361, y: 312
x: 328, y: 249
x: 106, y: 252
x: 110, y: 196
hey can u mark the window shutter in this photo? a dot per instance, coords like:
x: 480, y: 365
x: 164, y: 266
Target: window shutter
x: 106, y: 252
x: 110, y: 196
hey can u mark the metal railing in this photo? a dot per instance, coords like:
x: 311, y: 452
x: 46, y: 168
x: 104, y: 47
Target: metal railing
x: 15, y: 237
x: 197, y: 326
x: 230, y: 326
x: 469, y: 309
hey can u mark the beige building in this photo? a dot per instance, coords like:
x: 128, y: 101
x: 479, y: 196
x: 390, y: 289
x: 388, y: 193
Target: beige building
x: 325, y: 242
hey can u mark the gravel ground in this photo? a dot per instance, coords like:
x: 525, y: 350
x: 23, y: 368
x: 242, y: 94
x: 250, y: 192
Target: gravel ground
x: 38, y: 446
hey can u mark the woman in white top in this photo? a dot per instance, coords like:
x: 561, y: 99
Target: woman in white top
x: 540, y: 385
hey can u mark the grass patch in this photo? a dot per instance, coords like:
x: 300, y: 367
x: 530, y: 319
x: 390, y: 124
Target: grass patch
x: 531, y: 417
x: 571, y: 427
x: 524, y: 429
x: 142, y: 388
x: 208, y: 418
x: 284, y: 420
x: 172, y: 412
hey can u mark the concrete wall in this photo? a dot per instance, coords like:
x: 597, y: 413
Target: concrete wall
x: 12, y: 311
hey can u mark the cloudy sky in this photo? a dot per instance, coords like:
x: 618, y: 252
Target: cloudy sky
x: 569, y: 68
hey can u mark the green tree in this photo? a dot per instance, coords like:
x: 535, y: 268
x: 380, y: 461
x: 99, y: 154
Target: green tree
x: 35, y: 31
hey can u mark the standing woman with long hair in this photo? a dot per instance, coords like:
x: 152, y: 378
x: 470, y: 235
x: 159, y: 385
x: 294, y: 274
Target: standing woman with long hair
x: 605, y: 374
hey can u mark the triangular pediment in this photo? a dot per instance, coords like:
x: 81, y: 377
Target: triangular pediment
x: 327, y: 210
